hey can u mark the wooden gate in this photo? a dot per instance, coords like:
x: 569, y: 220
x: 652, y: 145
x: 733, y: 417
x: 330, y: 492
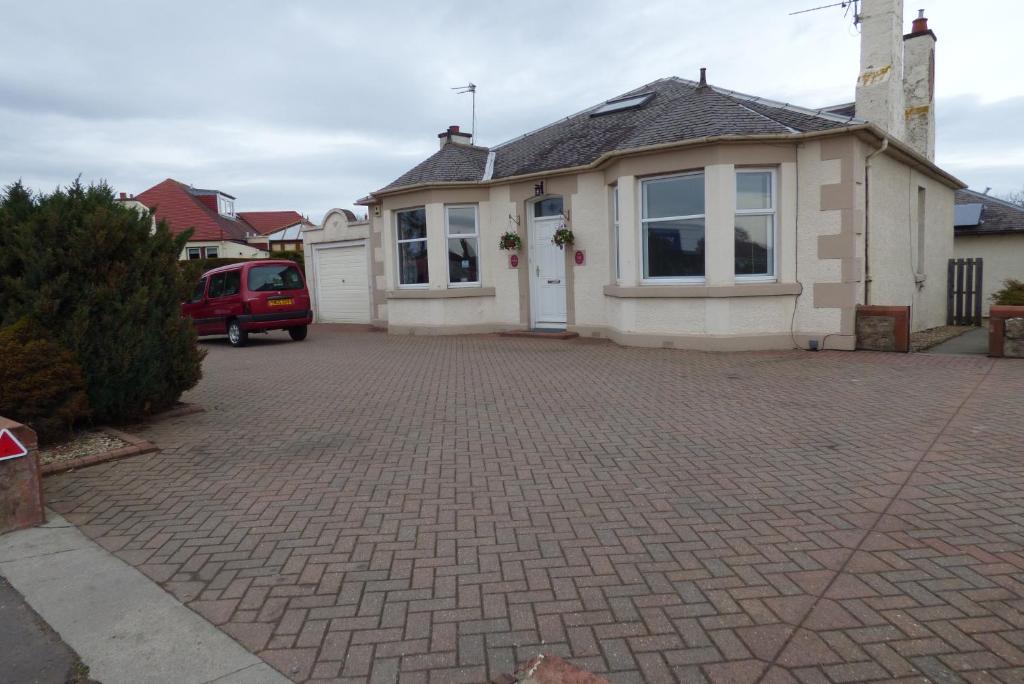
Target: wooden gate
x: 963, y: 299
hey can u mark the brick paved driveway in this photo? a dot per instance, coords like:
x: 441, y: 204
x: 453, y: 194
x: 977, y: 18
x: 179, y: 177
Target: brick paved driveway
x: 368, y: 507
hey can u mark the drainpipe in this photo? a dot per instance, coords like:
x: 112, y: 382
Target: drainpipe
x: 867, y: 218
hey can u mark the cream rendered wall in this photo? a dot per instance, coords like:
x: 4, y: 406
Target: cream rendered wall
x: 590, y: 208
x: 226, y: 249
x: 893, y: 242
x: 440, y: 313
x: 1002, y: 255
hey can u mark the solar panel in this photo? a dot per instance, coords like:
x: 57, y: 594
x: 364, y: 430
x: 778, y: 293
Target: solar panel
x: 624, y: 103
x: 967, y: 215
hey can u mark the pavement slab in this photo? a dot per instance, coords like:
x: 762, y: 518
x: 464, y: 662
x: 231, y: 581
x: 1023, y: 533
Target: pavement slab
x: 124, y: 626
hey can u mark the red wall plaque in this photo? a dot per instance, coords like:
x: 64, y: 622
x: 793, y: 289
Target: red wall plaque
x: 580, y: 257
x: 513, y: 261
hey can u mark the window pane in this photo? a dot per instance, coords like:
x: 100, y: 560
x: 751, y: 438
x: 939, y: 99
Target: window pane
x: 461, y: 221
x: 412, y: 263
x: 268, y: 278
x: 753, y: 245
x: 552, y: 206
x: 674, y: 249
x: 197, y: 293
x: 463, y: 260
x: 679, y: 196
x: 754, y: 190
x: 211, y: 252
x: 232, y: 282
x: 412, y: 224
x: 217, y: 285
x: 193, y: 253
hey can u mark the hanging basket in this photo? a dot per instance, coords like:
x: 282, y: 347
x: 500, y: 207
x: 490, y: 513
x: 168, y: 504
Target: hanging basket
x: 563, y: 237
x: 510, y: 241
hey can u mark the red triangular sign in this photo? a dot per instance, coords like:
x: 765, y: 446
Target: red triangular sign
x: 10, y: 447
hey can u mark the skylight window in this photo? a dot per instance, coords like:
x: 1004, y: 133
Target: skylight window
x: 631, y: 102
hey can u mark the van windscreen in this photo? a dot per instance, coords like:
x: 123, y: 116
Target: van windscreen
x: 274, y: 277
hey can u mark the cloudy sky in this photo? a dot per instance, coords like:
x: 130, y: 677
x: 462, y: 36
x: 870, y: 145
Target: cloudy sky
x: 308, y: 105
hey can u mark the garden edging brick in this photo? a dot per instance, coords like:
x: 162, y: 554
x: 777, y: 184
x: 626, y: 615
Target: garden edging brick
x: 136, y: 446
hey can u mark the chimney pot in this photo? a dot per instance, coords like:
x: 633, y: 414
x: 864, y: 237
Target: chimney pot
x: 453, y: 129
x: 703, y: 78
x: 920, y: 24
x: 124, y: 196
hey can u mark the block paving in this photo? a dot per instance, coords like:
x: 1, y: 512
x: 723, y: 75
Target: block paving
x: 364, y: 507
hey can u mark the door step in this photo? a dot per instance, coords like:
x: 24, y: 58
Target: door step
x: 547, y: 334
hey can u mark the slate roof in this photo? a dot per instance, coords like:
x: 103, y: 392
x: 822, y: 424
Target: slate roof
x: 176, y: 204
x: 451, y: 163
x: 997, y: 216
x: 679, y: 110
x: 266, y: 222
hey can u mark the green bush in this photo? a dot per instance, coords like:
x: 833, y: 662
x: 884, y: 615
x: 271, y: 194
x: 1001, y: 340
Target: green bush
x: 41, y: 384
x: 1012, y: 293
x: 103, y: 283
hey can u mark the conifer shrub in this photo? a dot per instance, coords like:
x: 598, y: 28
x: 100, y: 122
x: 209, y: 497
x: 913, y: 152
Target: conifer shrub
x: 102, y: 281
x: 41, y: 384
x: 1011, y: 294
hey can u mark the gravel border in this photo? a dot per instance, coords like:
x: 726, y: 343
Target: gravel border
x: 131, y: 446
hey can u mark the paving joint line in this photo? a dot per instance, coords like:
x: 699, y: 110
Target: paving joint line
x: 881, y: 516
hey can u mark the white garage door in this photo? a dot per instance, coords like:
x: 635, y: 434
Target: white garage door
x: 343, y: 289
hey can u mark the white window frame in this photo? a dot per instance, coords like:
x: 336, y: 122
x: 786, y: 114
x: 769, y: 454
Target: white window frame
x: 216, y: 252
x: 616, y: 237
x: 225, y: 206
x: 773, y: 234
x: 198, y: 253
x: 398, y: 250
x: 475, y: 235
x: 661, y: 280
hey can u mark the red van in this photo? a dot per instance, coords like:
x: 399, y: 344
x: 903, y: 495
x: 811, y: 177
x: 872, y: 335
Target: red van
x: 253, y: 296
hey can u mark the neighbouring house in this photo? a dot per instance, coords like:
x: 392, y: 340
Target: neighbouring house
x: 282, y: 230
x: 703, y: 218
x: 993, y: 230
x: 218, y: 230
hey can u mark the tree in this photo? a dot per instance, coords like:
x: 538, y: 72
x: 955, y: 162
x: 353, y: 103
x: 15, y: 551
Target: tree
x: 1014, y: 197
x: 96, y: 277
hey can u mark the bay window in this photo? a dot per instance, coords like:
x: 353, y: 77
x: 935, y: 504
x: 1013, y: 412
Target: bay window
x: 755, y: 224
x: 672, y: 227
x: 462, y: 232
x: 411, y: 229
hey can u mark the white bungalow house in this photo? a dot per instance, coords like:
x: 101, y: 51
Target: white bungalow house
x: 702, y: 217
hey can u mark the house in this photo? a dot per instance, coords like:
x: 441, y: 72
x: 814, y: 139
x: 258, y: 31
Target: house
x: 282, y: 230
x: 993, y: 230
x: 217, y: 230
x: 703, y: 218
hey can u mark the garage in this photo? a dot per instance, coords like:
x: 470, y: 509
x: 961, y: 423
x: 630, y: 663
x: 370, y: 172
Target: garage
x: 342, y: 283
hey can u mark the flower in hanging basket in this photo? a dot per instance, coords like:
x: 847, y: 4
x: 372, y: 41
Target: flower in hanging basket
x: 510, y: 240
x: 562, y: 237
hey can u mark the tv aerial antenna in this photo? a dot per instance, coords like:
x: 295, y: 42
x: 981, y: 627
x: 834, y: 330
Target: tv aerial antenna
x: 845, y: 4
x: 471, y: 89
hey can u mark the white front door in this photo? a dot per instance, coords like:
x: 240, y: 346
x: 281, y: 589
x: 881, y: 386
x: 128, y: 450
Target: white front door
x: 547, y: 275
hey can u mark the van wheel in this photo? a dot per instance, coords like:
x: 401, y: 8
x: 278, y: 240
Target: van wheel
x: 299, y: 333
x: 236, y: 336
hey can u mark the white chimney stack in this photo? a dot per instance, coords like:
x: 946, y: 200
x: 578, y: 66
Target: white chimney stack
x: 919, y: 86
x: 880, y: 84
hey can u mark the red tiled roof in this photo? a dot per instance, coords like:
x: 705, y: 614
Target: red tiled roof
x: 182, y: 210
x: 265, y: 222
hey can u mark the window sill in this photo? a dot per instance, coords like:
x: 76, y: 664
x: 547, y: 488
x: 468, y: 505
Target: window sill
x: 699, y: 291
x: 453, y: 293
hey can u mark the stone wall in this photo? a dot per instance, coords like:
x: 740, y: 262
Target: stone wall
x: 21, y: 491
x: 1006, y: 331
x: 883, y: 328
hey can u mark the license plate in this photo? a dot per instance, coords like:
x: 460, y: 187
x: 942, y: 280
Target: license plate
x: 280, y: 302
